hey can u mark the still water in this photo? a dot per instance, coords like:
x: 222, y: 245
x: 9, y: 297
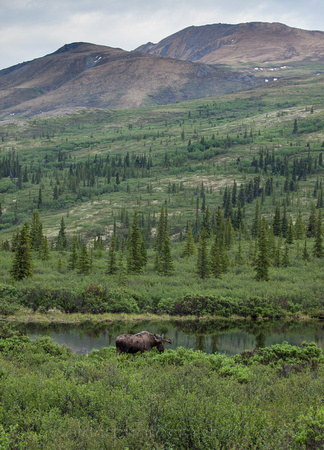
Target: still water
x: 212, y: 336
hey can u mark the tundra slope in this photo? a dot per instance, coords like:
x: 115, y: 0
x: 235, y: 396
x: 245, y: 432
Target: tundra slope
x: 83, y: 75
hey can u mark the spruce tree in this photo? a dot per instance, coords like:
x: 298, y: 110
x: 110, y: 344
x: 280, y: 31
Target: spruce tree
x: 299, y: 227
x: 112, y: 261
x: 73, y: 258
x: 135, y: 259
x: 262, y: 261
x: 318, y: 250
x: 215, y: 259
x: 305, y: 255
x: 189, y: 245
x: 284, y: 222
x: 291, y: 232
x: 61, y: 241
x: 311, y: 222
x: 163, y: 263
x: 22, y: 266
x: 206, y: 222
x: 220, y: 225
x: 277, y: 256
x: 256, y: 225
x: 202, y: 261
x: 229, y: 234
x: 84, y: 263
x: 239, y: 260
x: 160, y: 232
x: 36, y: 232
x: 238, y: 223
x: 44, y: 250
x: 39, y: 201
x: 120, y: 269
x: 166, y: 263
x: 285, y: 260
x: 276, y: 225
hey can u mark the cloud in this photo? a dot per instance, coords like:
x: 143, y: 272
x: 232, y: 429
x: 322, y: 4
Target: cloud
x: 33, y: 28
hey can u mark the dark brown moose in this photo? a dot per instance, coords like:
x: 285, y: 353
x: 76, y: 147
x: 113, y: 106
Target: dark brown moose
x: 140, y: 342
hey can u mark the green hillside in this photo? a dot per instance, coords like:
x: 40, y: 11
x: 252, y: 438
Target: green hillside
x: 242, y: 171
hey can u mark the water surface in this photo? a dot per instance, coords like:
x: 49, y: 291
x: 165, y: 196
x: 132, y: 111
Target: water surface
x: 212, y: 336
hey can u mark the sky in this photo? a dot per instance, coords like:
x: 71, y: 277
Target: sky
x: 31, y: 29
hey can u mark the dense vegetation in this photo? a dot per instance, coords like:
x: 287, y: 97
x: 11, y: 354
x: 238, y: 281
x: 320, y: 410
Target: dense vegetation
x: 50, y: 397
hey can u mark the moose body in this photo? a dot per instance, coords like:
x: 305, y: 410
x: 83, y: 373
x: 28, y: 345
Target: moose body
x: 140, y: 342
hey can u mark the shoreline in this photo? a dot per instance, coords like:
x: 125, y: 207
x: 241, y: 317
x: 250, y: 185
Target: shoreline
x: 55, y: 316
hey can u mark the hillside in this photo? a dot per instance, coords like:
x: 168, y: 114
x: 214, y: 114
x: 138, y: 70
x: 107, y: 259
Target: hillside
x: 224, y: 165
x: 86, y: 75
x: 237, y: 45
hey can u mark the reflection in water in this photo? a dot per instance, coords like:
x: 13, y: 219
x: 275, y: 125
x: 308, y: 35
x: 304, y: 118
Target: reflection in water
x: 209, y: 336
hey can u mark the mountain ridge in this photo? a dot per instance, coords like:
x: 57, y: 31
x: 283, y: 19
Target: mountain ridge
x: 86, y: 75
x: 244, y: 42
x: 196, y: 62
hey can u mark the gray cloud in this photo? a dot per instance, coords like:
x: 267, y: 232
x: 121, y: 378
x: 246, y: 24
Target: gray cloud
x: 33, y: 28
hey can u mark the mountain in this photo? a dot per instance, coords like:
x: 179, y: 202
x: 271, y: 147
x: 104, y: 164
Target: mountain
x: 239, y: 44
x: 87, y: 75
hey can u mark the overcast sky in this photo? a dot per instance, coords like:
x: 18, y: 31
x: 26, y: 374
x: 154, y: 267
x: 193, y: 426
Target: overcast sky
x: 33, y: 28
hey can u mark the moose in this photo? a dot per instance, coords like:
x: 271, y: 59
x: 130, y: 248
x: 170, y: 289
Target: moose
x: 140, y: 342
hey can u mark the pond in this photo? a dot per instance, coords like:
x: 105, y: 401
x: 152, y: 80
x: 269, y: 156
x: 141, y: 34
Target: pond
x: 228, y: 337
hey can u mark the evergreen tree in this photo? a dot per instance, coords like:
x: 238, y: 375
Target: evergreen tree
x: 60, y: 265
x: 36, y: 232
x: 284, y: 222
x: 73, y: 258
x: 277, y: 256
x: 239, y: 260
x: 202, y: 261
x: 166, y: 263
x: 61, y: 241
x: 234, y: 193
x: 291, y: 232
x: 121, y: 270
x: 84, y: 263
x: 44, y: 250
x: 276, y: 225
x: 220, y: 225
x: 299, y: 227
x: 189, y: 245
x: 160, y: 232
x: 135, y: 260
x: 262, y: 260
x: 216, y: 257
x: 163, y: 263
x: 256, y: 225
x: 206, y: 221
x: 318, y: 250
x: 305, y: 253
x: 39, y: 201
x: 229, y: 234
x: 285, y: 260
x: 238, y: 223
x: 22, y: 266
x: 311, y: 222
x: 112, y: 261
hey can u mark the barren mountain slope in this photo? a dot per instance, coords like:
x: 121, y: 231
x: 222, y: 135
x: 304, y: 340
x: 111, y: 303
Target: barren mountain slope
x: 242, y: 43
x: 87, y: 75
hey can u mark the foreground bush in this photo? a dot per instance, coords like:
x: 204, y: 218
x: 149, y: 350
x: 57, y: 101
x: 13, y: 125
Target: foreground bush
x: 52, y: 398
